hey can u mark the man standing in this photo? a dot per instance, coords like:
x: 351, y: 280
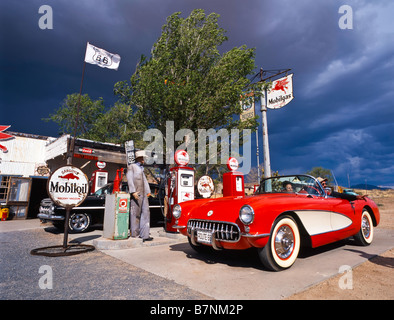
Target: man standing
x: 139, y: 191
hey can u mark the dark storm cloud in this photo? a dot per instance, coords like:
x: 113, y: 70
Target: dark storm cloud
x: 341, y: 117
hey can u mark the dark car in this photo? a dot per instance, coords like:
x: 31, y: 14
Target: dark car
x: 91, y: 211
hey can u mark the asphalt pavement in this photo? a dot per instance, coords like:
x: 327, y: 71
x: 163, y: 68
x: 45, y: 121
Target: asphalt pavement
x: 92, y: 275
x: 165, y: 268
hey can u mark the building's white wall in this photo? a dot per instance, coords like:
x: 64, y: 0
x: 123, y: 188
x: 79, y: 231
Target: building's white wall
x: 23, y: 157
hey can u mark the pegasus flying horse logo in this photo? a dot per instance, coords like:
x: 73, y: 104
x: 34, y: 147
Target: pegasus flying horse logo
x: 4, y: 136
x: 281, y: 85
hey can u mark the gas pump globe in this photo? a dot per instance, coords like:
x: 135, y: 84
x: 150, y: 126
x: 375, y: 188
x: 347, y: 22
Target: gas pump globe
x: 180, y: 186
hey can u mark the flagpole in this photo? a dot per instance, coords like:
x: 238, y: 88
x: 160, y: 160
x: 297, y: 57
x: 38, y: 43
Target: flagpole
x: 70, y: 159
x: 72, y: 142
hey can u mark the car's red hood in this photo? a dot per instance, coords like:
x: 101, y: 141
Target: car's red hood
x: 227, y: 208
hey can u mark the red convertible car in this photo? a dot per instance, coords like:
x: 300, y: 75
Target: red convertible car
x: 285, y: 213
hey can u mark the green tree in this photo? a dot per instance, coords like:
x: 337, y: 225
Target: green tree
x: 116, y: 126
x: 187, y: 80
x: 321, y: 172
x: 89, y: 112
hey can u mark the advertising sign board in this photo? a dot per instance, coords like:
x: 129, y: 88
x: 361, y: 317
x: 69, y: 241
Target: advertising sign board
x: 130, y: 152
x: 68, y: 186
x: 281, y: 92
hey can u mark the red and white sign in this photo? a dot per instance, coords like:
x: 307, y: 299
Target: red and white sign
x: 123, y: 205
x: 181, y: 158
x: 232, y: 164
x: 86, y: 150
x: 4, y: 136
x: 101, y: 164
x: 205, y: 186
x: 281, y: 92
x: 186, y: 196
x: 68, y: 186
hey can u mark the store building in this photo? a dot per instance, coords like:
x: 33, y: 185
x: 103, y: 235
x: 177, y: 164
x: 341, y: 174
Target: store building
x: 27, y: 160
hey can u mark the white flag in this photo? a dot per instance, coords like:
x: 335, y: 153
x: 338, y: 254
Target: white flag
x: 101, y: 58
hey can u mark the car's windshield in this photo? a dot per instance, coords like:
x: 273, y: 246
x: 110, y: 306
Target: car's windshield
x: 107, y: 189
x: 302, y: 184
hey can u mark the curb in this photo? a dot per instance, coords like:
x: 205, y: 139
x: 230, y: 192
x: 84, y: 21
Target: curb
x: 159, y: 238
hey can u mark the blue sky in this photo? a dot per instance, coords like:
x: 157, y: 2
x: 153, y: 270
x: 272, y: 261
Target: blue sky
x: 342, y: 116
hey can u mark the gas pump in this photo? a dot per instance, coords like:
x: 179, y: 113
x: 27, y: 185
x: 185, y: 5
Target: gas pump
x: 180, y: 186
x: 99, y: 177
x: 233, y: 181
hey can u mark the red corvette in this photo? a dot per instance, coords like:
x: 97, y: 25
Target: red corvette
x: 284, y: 213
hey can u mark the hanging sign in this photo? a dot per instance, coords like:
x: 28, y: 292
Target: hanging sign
x: 68, y: 186
x: 281, y: 92
x: 247, y: 106
x: 130, y: 152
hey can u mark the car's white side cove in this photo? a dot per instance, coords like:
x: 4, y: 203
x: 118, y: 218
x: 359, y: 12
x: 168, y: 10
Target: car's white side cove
x: 317, y: 222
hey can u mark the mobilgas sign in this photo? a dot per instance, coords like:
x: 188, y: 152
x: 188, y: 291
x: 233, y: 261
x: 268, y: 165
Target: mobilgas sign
x: 68, y: 186
x: 281, y: 92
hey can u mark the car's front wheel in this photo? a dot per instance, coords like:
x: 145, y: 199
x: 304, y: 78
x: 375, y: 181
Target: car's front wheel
x: 365, y: 236
x: 79, y: 222
x: 283, y: 247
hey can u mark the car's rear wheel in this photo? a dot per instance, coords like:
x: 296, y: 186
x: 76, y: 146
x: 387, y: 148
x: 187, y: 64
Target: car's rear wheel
x: 283, y: 247
x: 365, y: 236
x: 79, y: 222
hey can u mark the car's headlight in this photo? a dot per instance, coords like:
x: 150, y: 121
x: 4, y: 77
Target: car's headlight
x: 246, y: 214
x: 177, y: 211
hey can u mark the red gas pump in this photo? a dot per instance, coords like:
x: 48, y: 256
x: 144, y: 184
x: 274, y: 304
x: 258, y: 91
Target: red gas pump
x: 99, y: 177
x: 118, y: 180
x: 233, y: 181
x: 180, y: 186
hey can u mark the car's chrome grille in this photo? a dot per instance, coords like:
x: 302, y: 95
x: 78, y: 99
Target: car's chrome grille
x: 223, y: 231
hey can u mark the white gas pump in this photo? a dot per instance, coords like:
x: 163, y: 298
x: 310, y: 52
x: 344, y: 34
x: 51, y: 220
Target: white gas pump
x: 180, y: 186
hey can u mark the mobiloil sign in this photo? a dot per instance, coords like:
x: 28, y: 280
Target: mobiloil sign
x: 68, y: 186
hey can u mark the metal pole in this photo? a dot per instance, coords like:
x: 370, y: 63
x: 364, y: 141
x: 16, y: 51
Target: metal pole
x: 65, y: 239
x: 72, y: 144
x: 258, y: 155
x: 266, y: 150
x: 71, y: 156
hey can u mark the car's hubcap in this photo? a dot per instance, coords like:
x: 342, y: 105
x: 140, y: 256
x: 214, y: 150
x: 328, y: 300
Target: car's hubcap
x: 366, y: 227
x: 284, y: 242
x: 78, y: 221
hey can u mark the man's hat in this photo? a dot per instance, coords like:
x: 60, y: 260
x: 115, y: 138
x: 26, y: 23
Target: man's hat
x: 320, y: 179
x: 140, y: 154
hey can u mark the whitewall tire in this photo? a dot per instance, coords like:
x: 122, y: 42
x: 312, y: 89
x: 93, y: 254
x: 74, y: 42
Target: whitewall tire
x: 284, y: 245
